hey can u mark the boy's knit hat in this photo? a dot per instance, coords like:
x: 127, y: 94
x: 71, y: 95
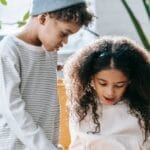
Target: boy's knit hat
x: 43, y: 6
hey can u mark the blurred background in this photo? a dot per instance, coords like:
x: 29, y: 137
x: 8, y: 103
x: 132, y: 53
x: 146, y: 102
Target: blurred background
x: 129, y: 18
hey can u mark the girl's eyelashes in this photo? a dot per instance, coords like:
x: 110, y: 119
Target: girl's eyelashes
x: 119, y: 85
x: 103, y: 84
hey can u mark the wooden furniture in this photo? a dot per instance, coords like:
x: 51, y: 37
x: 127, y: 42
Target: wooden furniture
x: 64, y: 138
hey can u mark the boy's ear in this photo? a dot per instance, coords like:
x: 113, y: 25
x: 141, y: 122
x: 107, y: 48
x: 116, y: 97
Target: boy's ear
x: 42, y: 18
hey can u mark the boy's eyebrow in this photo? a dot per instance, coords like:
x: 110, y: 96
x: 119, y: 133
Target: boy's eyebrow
x: 69, y: 31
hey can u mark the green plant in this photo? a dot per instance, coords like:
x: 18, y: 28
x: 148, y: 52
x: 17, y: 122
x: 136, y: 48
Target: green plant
x: 147, y: 7
x: 4, y: 2
x: 138, y: 27
x: 20, y: 22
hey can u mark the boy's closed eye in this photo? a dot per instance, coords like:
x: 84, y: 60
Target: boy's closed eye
x: 63, y: 34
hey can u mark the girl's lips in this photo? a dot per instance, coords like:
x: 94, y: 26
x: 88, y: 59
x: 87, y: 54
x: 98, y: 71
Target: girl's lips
x: 109, y: 99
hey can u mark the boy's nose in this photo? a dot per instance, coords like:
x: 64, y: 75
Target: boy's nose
x: 65, y: 40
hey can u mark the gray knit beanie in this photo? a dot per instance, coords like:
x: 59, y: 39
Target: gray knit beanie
x: 42, y: 6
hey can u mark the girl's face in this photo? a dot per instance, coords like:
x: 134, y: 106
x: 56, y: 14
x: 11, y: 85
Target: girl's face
x: 110, y: 85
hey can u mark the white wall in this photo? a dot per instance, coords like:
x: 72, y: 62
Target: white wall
x: 114, y: 19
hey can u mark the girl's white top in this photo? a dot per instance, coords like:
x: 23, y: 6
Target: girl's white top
x: 119, y: 130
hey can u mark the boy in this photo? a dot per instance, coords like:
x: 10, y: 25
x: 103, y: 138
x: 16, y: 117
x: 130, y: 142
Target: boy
x: 29, y: 109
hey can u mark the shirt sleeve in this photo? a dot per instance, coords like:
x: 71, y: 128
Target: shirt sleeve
x: 146, y: 145
x: 12, y: 107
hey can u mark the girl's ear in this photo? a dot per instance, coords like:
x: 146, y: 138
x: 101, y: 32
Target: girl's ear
x: 92, y: 84
x: 42, y: 18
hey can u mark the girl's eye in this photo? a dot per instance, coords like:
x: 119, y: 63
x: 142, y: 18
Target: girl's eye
x: 103, y: 84
x: 120, y: 85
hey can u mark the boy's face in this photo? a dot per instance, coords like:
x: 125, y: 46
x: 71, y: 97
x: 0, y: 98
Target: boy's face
x: 53, y: 33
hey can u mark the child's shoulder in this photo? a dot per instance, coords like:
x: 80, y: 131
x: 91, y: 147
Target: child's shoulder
x: 8, y: 40
x: 8, y: 47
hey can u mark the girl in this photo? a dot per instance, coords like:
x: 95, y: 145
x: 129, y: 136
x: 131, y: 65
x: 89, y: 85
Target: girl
x: 108, y: 87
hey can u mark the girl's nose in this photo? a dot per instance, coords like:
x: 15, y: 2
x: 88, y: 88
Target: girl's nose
x: 110, y: 92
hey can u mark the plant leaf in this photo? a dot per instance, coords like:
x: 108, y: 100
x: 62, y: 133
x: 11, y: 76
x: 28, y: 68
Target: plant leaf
x: 26, y: 16
x: 21, y: 23
x: 137, y: 25
x: 4, y: 2
x: 147, y: 7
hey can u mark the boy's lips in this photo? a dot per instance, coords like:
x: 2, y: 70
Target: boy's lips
x: 58, y: 47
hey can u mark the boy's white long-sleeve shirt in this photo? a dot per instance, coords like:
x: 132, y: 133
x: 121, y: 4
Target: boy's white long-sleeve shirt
x: 119, y: 130
x: 29, y: 108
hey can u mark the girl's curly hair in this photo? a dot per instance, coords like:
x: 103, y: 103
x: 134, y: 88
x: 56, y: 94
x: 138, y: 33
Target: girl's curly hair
x: 128, y: 57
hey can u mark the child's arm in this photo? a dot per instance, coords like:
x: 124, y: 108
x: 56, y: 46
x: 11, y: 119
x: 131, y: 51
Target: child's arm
x: 12, y: 108
x: 146, y: 145
x: 77, y: 142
